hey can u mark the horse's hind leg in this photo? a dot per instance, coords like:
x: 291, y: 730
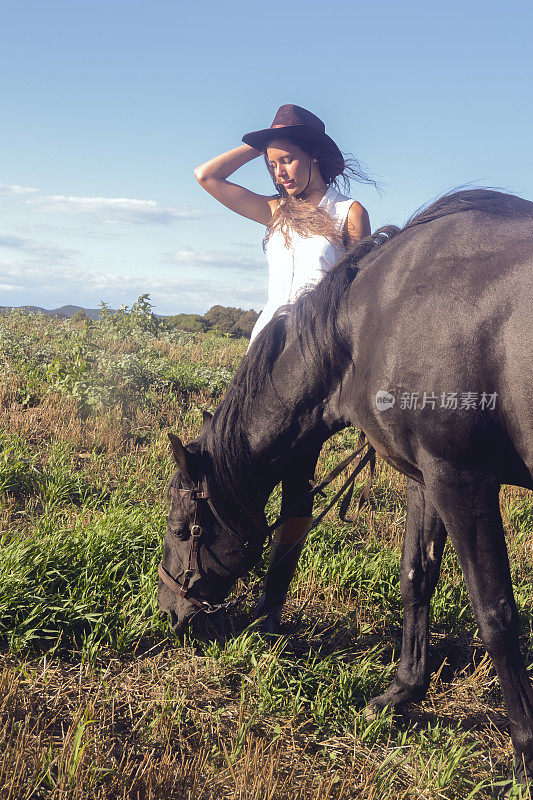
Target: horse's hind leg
x: 469, y: 506
x: 425, y: 536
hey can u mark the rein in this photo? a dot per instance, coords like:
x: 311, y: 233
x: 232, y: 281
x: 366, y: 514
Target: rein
x: 348, y: 486
x: 201, y: 493
x: 347, y: 489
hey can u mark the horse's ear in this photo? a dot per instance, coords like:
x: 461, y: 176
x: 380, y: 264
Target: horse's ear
x: 181, y: 456
x: 206, y: 417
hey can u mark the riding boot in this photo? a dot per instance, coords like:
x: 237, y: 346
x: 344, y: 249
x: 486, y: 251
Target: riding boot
x: 284, y: 555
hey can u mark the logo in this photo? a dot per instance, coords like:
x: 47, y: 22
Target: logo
x: 384, y: 400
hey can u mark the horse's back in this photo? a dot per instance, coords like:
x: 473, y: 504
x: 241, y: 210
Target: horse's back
x: 443, y: 315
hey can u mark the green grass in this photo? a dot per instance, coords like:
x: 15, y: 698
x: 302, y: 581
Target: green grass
x: 84, y: 463
x: 84, y: 587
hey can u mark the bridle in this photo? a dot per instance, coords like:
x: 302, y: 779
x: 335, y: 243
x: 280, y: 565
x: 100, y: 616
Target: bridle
x: 200, y: 493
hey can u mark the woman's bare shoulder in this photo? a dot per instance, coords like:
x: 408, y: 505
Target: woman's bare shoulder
x: 358, y: 222
x: 356, y: 209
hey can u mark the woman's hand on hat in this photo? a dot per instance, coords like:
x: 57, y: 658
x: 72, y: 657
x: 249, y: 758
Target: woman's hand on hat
x: 222, y: 166
x: 212, y: 176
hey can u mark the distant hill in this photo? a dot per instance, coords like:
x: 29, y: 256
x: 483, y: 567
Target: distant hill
x: 224, y: 319
x: 64, y: 311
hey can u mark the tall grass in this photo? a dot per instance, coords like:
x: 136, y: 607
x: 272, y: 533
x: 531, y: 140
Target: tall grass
x: 98, y: 700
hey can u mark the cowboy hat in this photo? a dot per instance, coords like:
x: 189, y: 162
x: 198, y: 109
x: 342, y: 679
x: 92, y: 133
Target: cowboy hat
x: 295, y: 121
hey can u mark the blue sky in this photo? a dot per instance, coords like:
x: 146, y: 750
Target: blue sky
x: 107, y: 107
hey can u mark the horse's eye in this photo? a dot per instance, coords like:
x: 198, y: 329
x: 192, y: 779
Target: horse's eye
x: 179, y: 533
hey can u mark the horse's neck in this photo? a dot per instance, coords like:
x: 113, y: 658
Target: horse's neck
x: 292, y: 415
x: 280, y: 432
x: 258, y: 438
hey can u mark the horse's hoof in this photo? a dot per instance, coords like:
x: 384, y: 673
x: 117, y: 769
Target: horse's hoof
x: 270, y: 628
x: 396, y: 697
x: 270, y: 625
x: 271, y: 622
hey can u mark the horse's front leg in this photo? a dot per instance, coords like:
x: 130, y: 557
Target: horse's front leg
x: 289, y: 539
x: 425, y: 536
x: 287, y: 545
x: 469, y: 505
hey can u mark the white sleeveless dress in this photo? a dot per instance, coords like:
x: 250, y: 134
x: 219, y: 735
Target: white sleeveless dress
x: 304, y: 263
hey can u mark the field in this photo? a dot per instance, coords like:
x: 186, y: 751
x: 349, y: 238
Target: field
x: 98, y: 700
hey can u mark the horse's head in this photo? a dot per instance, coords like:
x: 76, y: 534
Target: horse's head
x: 202, y: 556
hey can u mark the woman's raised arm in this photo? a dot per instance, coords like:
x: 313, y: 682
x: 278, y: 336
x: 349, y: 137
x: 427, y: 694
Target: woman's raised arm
x: 213, y: 177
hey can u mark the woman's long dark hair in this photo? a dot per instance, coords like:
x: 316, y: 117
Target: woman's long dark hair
x: 295, y: 214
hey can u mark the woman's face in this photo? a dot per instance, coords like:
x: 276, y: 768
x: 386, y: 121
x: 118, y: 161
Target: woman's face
x: 292, y: 167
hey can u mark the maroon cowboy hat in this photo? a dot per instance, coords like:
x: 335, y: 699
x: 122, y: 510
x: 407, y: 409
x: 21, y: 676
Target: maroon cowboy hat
x: 301, y: 124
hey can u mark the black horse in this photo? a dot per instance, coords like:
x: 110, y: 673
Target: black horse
x: 421, y: 338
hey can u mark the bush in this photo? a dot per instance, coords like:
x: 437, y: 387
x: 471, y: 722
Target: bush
x: 187, y: 322
x: 128, y: 358
x: 221, y: 319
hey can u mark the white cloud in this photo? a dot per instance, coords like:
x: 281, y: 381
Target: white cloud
x: 187, y: 257
x: 51, y: 287
x: 127, y: 210
x: 14, y: 189
x: 37, y: 249
x: 10, y: 287
x: 59, y: 278
x: 41, y: 271
x: 114, y: 209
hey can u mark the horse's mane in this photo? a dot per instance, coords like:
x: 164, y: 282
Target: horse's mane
x: 312, y: 322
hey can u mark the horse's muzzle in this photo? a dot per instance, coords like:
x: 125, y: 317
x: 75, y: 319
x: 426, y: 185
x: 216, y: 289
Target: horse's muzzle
x: 206, y: 626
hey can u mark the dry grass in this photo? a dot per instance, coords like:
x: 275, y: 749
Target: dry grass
x: 161, y: 726
x: 118, y: 735
x: 165, y: 726
x: 181, y: 719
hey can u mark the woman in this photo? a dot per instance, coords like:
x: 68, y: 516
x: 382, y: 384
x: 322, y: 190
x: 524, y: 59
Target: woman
x: 310, y: 224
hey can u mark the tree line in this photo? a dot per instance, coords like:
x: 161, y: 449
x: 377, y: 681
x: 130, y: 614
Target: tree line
x: 237, y: 322
x: 223, y: 319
